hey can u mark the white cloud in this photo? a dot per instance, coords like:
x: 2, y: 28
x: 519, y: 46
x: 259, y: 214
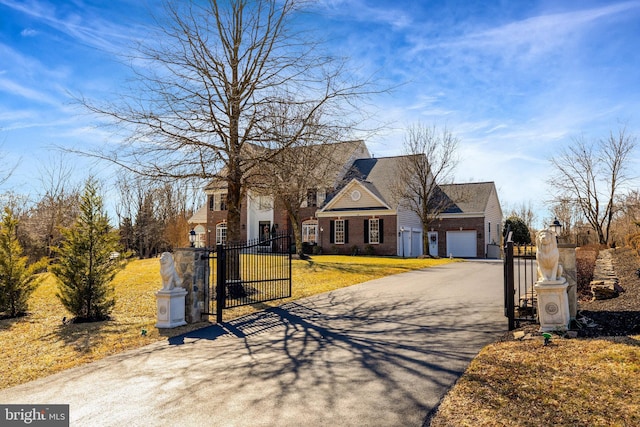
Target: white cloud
x: 28, y: 32
x: 17, y: 89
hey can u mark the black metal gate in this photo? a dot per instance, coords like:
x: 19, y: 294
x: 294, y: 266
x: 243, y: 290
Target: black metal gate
x: 249, y: 273
x: 520, y: 274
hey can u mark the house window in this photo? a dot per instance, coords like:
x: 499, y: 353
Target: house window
x: 263, y: 202
x: 312, y: 197
x: 374, y: 231
x: 310, y: 231
x: 221, y: 233
x: 218, y: 202
x: 321, y: 196
x: 339, y: 232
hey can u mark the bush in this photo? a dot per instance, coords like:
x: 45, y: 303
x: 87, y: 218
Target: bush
x: 85, y: 267
x: 369, y: 250
x: 633, y: 240
x: 18, y: 279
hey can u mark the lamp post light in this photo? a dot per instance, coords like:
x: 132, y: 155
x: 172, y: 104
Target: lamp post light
x: 192, y: 237
x: 556, y: 227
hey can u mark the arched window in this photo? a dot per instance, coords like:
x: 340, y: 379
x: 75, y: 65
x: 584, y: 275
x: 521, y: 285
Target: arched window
x: 200, y: 236
x: 310, y: 231
x: 221, y: 233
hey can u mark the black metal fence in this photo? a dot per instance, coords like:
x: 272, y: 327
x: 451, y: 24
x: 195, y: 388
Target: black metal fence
x: 250, y: 273
x: 520, y: 275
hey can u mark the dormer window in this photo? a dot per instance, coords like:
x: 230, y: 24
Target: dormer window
x: 312, y: 197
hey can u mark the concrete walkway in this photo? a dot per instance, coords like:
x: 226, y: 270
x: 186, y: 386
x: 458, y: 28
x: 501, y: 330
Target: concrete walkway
x: 382, y: 353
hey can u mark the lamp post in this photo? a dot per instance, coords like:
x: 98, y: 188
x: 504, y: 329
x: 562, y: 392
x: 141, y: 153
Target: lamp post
x: 192, y: 237
x: 556, y: 227
x: 402, y: 240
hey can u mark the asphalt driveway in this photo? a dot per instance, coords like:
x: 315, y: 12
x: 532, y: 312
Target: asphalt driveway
x: 382, y: 353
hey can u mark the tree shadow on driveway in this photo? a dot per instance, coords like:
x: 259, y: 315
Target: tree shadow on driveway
x: 335, y: 359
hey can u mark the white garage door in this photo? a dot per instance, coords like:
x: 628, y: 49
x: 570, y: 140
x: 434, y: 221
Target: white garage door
x: 462, y: 244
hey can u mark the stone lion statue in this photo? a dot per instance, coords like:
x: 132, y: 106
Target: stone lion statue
x: 170, y: 278
x: 547, y: 256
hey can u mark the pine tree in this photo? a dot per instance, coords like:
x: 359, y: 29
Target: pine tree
x: 18, y: 279
x: 85, y: 266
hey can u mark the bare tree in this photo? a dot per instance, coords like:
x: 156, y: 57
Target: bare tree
x: 303, y: 161
x: 206, y: 86
x: 568, y: 214
x: 6, y: 170
x: 430, y: 161
x: 152, y: 216
x: 525, y: 212
x: 592, y: 175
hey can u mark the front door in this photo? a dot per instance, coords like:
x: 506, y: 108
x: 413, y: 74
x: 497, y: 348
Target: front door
x: 433, y: 243
x: 264, y: 231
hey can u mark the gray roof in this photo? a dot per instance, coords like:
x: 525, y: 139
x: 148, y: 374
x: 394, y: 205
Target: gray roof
x: 333, y: 160
x: 468, y: 198
x: 377, y: 175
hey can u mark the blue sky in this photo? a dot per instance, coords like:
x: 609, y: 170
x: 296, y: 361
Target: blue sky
x: 515, y: 81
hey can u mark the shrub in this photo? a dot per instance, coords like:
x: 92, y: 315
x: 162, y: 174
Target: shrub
x: 18, y: 280
x: 633, y: 240
x: 85, y: 267
x: 369, y: 250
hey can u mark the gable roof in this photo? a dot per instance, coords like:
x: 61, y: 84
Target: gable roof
x: 356, y: 195
x: 468, y: 198
x: 377, y: 175
x: 200, y: 217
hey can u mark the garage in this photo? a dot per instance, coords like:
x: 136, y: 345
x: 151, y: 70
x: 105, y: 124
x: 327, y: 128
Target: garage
x: 462, y: 244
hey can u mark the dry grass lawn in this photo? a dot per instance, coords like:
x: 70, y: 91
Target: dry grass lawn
x: 40, y: 344
x: 578, y: 382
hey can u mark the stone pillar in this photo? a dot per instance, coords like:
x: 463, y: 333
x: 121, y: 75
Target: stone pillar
x: 568, y: 261
x: 553, y: 304
x: 192, y: 265
x: 171, y: 308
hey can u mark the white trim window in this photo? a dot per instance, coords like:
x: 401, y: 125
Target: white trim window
x: 221, y: 233
x: 374, y: 231
x: 218, y: 202
x: 339, y: 232
x: 310, y: 231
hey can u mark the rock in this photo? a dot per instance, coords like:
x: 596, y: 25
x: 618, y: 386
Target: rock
x: 604, y: 289
x: 518, y: 335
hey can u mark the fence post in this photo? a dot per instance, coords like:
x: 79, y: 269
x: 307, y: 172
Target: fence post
x: 509, y: 288
x: 221, y: 279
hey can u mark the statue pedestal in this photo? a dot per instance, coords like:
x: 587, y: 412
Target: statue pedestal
x: 553, y: 304
x: 171, y: 308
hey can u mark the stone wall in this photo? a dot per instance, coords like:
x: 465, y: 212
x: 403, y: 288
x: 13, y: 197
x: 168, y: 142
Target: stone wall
x: 605, y: 281
x: 567, y: 259
x: 192, y: 265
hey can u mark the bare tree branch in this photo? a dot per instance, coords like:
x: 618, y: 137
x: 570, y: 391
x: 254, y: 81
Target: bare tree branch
x: 592, y: 175
x: 206, y: 85
x: 429, y: 162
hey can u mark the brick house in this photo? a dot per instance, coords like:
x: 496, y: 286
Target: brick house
x: 354, y: 209
x: 471, y: 226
